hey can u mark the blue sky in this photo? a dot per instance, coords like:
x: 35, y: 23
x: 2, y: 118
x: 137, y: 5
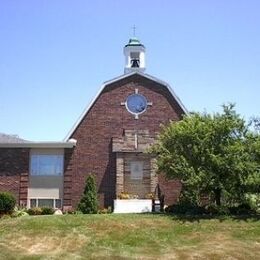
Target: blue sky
x: 54, y: 56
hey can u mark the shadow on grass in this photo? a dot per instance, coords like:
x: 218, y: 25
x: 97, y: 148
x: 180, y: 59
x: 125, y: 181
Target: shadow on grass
x: 221, y: 218
x: 198, y: 218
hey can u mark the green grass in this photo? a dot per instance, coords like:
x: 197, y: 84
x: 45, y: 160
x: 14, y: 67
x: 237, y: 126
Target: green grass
x: 130, y: 236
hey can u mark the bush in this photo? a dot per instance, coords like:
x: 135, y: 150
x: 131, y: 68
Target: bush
x: 47, y: 211
x: 253, y: 200
x: 69, y: 211
x: 19, y: 212
x: 187, y: 209
x: 34, y: 211
x: 73, y: 212
x: 88, y: 202
x: 40, y: 211
x: 7, y: 203
x: 213, y: 209
x: 242, y: 209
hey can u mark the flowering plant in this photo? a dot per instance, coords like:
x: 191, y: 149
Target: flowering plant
x: 127, y: 196
x: 150, y: 195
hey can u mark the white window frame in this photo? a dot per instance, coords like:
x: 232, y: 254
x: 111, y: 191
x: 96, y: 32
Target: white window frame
x: 44, y: 198
x: 47, y: 152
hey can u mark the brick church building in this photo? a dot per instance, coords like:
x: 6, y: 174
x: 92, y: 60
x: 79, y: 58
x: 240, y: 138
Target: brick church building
x: 109, y: 140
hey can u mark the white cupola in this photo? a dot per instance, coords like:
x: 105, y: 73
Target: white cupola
x: 134, y: 53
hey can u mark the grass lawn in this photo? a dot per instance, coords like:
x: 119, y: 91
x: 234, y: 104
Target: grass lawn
x: 130, y: 236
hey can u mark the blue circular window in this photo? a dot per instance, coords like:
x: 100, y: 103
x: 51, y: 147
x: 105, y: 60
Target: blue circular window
x: 136, y: 104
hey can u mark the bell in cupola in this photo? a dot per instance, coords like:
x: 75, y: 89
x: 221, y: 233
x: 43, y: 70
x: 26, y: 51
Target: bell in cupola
x: 134, y: 53
x: 135, y: 63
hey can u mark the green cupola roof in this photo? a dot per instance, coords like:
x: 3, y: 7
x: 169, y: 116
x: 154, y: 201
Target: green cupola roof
x: 134, y: 42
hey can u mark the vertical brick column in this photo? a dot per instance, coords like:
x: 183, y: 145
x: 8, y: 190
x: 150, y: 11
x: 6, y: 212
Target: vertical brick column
x: 24, y: 177
x: 119, y: 173
x: 23, y: 191
x: 67, y: 184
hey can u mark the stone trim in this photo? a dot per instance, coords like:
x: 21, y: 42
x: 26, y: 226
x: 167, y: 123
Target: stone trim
x: 133, y: 141
x: 154, y: 177
x: 119, y: 173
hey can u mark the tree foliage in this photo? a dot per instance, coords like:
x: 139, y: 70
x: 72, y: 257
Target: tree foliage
x: 88, y: 203
x: 255, y: 122
x: 212, y: 154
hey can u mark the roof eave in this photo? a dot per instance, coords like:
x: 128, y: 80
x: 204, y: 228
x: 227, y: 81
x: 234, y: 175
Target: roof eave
x: 39, y: 145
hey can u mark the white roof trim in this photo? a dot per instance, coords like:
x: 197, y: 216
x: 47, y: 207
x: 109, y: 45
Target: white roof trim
x: 38, y: 145
x: 86, y: 110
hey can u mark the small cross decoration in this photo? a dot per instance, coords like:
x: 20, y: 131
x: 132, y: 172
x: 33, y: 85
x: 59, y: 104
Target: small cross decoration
x: 134, y: 29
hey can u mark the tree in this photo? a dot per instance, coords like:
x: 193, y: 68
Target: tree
x: 210, y: 154
x: 252, y: 183
x: 255, y: 122
x: 88, y: 203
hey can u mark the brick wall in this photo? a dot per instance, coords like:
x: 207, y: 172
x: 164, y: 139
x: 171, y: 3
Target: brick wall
x: 170, y: 188
x: 107, y: 119
x: 14, y: 172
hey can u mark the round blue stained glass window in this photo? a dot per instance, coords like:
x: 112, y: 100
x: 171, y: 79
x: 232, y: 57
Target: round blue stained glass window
x: 136, y: 104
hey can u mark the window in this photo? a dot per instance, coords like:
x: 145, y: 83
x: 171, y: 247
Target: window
x: 45, y: 203
x: 46, y: 164
x: 136, y: 169
x: 136, y: 104
x: 49, y: 203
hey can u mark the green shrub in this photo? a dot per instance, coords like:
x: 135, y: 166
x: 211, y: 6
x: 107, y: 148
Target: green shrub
x: 73, y: 212
x: 7, y: 203
x: 213, y: 209
x: 34, y: 211
x: 187, y: 209
x: 253, y: 200
x: 19, y: 212
x: 47, y: 211
x: 69, y: 211
x: 77, y: 212
x: 242, y: 209
x: 88, y: 202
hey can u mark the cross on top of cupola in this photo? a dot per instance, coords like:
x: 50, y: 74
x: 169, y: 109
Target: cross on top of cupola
x: 134, y: 53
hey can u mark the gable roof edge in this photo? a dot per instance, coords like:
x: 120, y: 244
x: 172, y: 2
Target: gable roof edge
x: 88, y: 107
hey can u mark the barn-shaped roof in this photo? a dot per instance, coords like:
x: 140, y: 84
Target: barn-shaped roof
x: 124, y: 76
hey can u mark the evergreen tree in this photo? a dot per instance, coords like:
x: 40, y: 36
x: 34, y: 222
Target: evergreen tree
x: 88, y: 203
